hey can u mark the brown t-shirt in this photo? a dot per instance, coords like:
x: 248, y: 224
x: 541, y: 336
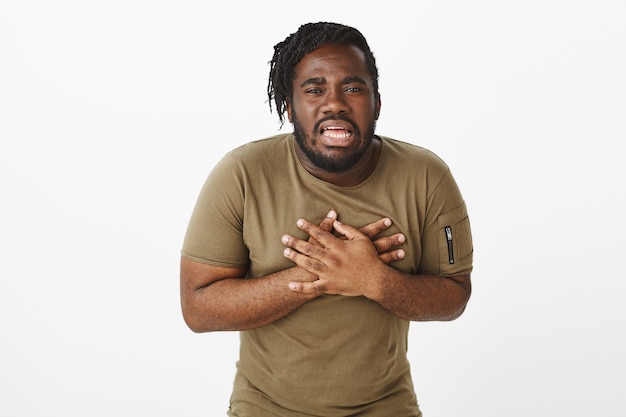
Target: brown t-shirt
x: 335, y: 355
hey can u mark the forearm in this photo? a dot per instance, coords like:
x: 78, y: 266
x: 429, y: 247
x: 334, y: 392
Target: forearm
x: 352, y: 266
x: 243, y: 304
x: 423, y: 297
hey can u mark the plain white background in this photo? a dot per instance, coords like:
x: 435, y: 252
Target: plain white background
x: 112, y: 114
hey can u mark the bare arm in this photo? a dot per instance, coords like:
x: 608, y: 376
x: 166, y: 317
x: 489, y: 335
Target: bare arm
x: 218, y: 298
x: 351, y: 267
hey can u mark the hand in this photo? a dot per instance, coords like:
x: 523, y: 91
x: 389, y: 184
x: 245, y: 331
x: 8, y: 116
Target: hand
x: 326, y: 224
x: 384, y: 245
x: 347, y: 265
x: 302, y: 275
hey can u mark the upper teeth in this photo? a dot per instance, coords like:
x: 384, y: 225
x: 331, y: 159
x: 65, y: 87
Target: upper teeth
x: 328, y: 132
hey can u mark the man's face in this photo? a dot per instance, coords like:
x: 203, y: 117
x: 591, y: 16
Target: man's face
x: 334, y: 107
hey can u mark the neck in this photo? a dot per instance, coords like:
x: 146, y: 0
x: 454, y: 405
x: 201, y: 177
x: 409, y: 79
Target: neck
x: 353, y: 176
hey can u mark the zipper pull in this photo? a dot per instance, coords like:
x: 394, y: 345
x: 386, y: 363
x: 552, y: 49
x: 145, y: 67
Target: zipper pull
x: 448, y: 231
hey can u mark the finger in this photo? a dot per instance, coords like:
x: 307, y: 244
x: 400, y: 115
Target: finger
x: 388, y: 242
x: 304, y: 261
x: 320, y: 235
x: 375, y: 228
x: 327, y: 222
x: 315, y: 287
x: 350, y: 232
x: 302, y: 246
x: 392, y: 256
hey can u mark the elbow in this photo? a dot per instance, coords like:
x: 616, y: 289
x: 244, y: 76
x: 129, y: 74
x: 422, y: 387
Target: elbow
x: 196, y: 319
x: 193, y: 323
x: 195, y: 327
x: 201, y: 319
x: 455, y: 313
x: 461, y: 299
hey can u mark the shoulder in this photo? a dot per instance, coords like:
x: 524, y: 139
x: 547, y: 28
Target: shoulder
x: 400, y: 152
x: 255, y: 155
x: 262, y: 148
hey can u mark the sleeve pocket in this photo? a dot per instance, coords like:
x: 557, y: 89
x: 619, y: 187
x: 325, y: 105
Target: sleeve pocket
x: 456, y: 249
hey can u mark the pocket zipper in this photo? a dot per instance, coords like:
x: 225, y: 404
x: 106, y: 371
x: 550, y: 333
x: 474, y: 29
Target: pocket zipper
x: 448, y: 231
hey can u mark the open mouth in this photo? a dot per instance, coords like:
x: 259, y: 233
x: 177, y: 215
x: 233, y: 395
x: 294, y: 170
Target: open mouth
x: 336, y: 132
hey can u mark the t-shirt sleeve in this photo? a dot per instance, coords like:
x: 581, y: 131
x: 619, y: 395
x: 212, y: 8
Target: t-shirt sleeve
x: 215, y: 231
x: 447, y: 247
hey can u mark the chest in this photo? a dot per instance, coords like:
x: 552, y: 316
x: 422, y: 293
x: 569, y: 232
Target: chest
x: 272, y: 208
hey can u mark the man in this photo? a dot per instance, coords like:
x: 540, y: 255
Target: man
x: 322, y: 245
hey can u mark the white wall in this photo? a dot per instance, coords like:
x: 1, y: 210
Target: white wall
x: 112, y: 113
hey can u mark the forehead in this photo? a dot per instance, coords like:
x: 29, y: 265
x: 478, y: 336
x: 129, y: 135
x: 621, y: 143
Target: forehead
x: 332, y: 59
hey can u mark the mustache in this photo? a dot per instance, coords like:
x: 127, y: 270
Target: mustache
x: 343, y: 118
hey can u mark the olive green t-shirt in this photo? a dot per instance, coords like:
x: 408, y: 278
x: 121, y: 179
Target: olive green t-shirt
x: 335, y: 355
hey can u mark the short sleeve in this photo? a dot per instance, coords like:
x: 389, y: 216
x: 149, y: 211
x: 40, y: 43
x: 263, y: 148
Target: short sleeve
x: 454, y: 238
x: 214, y: 233
x: 447, y: 247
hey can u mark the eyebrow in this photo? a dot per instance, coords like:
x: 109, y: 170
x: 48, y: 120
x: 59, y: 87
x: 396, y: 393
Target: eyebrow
x: 322, y: 81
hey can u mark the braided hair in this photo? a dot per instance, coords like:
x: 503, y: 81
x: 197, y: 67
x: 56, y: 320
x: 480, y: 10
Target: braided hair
x: 310, y: 36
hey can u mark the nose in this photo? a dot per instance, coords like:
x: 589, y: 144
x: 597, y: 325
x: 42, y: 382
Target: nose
x: 335, y: 102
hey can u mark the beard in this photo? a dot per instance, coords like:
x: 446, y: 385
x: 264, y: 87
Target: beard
x: 330, y: 163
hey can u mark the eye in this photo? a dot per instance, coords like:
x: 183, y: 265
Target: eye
x: 314, y: 90
x: 353, y: 89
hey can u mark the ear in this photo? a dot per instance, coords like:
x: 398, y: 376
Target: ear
x: 288, y: 107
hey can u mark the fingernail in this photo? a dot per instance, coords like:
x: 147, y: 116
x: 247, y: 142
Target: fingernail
x: 401, y: 238
x: 331, y: 214
x: 300, y: 222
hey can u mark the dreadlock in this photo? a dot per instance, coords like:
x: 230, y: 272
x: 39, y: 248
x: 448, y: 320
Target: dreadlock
x: 309, y: 37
